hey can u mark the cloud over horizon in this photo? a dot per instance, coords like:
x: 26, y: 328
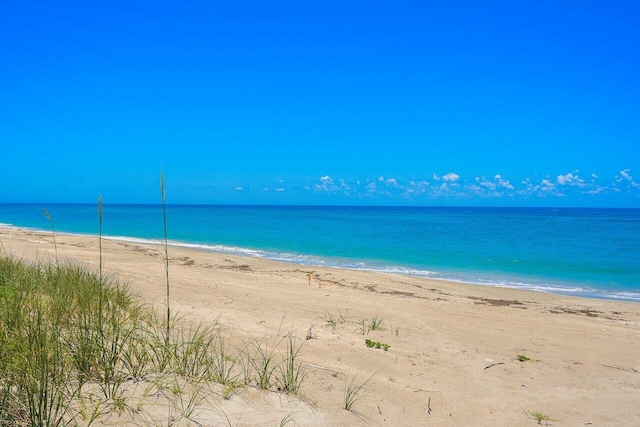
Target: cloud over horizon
x: 453, y: 186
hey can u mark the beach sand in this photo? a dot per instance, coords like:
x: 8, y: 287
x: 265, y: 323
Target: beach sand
x: 453, y: 349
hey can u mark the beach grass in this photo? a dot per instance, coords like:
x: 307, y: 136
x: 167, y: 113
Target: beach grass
x: 353, y: 393
x: 73, y: 346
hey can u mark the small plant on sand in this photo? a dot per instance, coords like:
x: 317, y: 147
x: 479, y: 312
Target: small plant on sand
x: 353, y: 393
x: 286, y: 420
x: 522, y: 358
x: 263, y: 364
x: 291, y: 373
x: 376, y: 324
x: 540, y: 417
x: 229, y: 389
x: 376, y: 344
x: 222, y: 363
x: 333, y: 320
x: 363, y: 328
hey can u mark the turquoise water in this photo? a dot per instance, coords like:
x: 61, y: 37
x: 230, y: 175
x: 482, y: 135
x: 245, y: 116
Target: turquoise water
x: 585, y: 252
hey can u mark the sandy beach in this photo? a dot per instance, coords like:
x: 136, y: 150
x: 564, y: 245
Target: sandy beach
x: 453, y: 348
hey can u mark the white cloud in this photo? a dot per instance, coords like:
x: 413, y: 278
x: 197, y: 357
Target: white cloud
x: 451, y: 185
x: 451, y: 177
x: 570, y: 179
x: 326, y: 184
x: 595, y: 190
x: 503, y: 182
x: 488, y: 184
x: 326, y: 179
x: 238, y: 188
x: 625, y: 174
x: 344, y: 185
x: 563, y: 179
x: 547, y: 186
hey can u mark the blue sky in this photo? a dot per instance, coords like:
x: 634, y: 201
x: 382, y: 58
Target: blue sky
x: 505, y: 103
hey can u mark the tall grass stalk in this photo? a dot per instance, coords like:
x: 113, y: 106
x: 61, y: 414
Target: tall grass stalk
x: 100, y: 232
x: 166, y: 251
x: 100, y: 259
x: 53, y: 230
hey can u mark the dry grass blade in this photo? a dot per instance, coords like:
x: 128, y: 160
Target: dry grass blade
x: 166, y: 250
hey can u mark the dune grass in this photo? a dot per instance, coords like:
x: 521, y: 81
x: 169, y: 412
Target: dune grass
x: 73, y: 346
x: 353, y: 393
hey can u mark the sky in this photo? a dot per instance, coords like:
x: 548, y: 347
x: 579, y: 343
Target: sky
x: 461, y: 103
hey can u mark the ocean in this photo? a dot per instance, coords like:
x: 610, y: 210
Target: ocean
x: 574, y: 251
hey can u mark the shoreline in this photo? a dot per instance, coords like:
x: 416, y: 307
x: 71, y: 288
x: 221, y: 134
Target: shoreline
x: 314, y: 261
x: 453, y: 355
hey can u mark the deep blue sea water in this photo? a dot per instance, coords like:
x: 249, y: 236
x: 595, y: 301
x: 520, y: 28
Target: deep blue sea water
x: 584, y: 252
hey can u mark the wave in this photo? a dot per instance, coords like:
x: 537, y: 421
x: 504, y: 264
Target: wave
x: 468, y: 278
x: 318, y: 261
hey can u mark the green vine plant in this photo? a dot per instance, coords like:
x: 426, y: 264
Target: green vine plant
x: 376, y: 344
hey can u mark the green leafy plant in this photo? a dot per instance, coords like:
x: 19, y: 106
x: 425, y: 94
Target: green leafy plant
x: 376, y: 344
x: 522, y: 358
